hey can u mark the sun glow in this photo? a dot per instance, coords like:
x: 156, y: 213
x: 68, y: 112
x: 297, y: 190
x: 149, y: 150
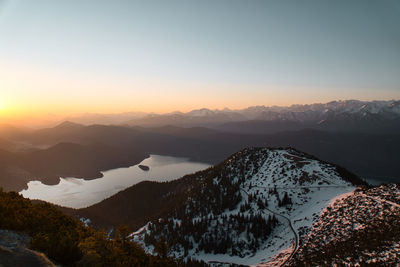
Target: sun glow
x: 3, y: 109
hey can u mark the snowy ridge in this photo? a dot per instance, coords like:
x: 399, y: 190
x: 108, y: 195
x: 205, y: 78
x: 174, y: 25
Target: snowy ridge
x: 361, y: 228
x: 249, y: 208
x: 309, y: 111
x: 318, y: 112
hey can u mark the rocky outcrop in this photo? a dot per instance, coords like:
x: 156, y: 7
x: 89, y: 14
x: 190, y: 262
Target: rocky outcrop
x: 14, y: 251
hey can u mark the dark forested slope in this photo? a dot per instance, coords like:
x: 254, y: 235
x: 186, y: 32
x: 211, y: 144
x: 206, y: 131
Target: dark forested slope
x: 68, y: 241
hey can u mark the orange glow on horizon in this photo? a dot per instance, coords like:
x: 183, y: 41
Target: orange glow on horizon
x: 32, y: 94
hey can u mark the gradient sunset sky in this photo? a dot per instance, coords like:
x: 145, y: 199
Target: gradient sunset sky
x: 63, y: 57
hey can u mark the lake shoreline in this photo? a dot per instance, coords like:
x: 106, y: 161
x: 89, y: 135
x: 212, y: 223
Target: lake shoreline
x: 75, y: 192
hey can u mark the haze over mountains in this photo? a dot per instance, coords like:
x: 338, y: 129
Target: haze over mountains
x: 347, y: 116
x: 334, y: 116
x: 360, y: 116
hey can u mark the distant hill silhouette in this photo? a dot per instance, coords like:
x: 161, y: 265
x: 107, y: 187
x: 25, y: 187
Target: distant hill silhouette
x: 63, y: 160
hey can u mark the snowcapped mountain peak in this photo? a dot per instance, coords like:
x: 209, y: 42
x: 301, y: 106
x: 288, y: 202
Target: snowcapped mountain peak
x: 318, y: 112
x: 201, y: 112
x: 342, y: 115
x: 226, y: 109
x: 289, y: 167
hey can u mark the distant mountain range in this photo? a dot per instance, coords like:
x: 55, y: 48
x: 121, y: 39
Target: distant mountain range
x: 348, y: 116
x: 343, y: 115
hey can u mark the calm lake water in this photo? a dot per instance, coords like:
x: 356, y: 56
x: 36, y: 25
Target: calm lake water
x: 79, y: 193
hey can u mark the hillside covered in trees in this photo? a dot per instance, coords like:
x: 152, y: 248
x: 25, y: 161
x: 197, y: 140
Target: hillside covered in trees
x: 67, y: 241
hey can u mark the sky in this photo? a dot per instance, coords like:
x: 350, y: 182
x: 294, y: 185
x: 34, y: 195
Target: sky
x: 68, y: 56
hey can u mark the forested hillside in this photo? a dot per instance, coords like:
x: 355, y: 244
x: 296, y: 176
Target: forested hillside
x: 67, y: 241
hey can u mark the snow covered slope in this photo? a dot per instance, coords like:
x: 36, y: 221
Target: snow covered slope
x: 362, y: 228
x: 249, y: 208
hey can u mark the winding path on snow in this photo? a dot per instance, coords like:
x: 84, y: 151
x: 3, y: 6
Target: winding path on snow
x: 296, y: 236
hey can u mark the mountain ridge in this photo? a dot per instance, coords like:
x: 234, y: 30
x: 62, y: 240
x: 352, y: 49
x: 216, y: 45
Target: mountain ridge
x: 164, y: 200
x: 333, y: 112
x: 360, y: 228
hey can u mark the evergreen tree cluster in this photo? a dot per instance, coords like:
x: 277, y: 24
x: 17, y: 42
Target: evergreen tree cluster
x: 233, y: 234
x: 286, y: 200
